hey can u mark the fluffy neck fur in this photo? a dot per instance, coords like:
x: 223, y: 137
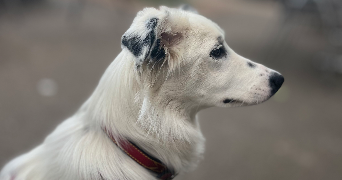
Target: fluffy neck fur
x: 164, y: 127
x: 153, y: 118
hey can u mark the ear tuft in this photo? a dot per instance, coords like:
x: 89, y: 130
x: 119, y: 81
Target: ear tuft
x: 158, y: 52
x: 152, y: 23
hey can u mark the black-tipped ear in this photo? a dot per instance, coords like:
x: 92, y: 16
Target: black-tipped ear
x: 140, y: 44
x: 187, y: 7
x: 155, y: 36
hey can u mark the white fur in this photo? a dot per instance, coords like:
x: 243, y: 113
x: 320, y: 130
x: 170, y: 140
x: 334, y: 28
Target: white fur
x: 154, y: 106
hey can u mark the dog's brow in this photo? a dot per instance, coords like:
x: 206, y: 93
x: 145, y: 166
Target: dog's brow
x: 220, y: 39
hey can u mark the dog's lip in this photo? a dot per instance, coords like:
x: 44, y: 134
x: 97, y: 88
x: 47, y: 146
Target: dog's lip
x: 229, y: 101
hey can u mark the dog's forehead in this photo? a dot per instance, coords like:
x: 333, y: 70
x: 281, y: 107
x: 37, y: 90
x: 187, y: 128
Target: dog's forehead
x: 205, y: 23
x: 197, y: 22
x: 206, y: 29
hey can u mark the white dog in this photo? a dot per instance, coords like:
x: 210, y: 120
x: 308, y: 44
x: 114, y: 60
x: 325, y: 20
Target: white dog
x: 140, y: 124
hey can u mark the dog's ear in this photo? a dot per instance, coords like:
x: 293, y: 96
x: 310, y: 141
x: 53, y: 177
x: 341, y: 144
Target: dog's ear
x: 154, y: 35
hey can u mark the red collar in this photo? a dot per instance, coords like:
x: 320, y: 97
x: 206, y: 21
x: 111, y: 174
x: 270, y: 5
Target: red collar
x: 142, y: 158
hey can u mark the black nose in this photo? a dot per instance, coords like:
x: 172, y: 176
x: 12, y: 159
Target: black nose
x: 275, y: 82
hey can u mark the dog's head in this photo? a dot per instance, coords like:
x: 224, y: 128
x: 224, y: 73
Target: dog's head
x: 182, y: 56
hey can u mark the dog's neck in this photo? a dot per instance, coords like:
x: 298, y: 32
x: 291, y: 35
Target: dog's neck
x: 166, y: 129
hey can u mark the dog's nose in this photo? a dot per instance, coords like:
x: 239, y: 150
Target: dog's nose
x: 275, y: 82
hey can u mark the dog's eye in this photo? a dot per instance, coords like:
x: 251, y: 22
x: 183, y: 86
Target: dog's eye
x: 217, y: 53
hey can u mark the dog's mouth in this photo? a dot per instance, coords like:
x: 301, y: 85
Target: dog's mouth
x: 237, y: 102
x: 232, y: 101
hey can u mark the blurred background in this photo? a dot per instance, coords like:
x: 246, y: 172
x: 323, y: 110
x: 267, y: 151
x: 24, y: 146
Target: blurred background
x: 53, y: 53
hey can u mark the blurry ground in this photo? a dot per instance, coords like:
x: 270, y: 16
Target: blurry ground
x: 52, y: 56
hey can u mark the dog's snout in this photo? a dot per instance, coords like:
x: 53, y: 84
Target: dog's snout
x: 275, y: 82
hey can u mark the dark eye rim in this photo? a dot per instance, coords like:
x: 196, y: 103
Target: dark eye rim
x: 218, y: 52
